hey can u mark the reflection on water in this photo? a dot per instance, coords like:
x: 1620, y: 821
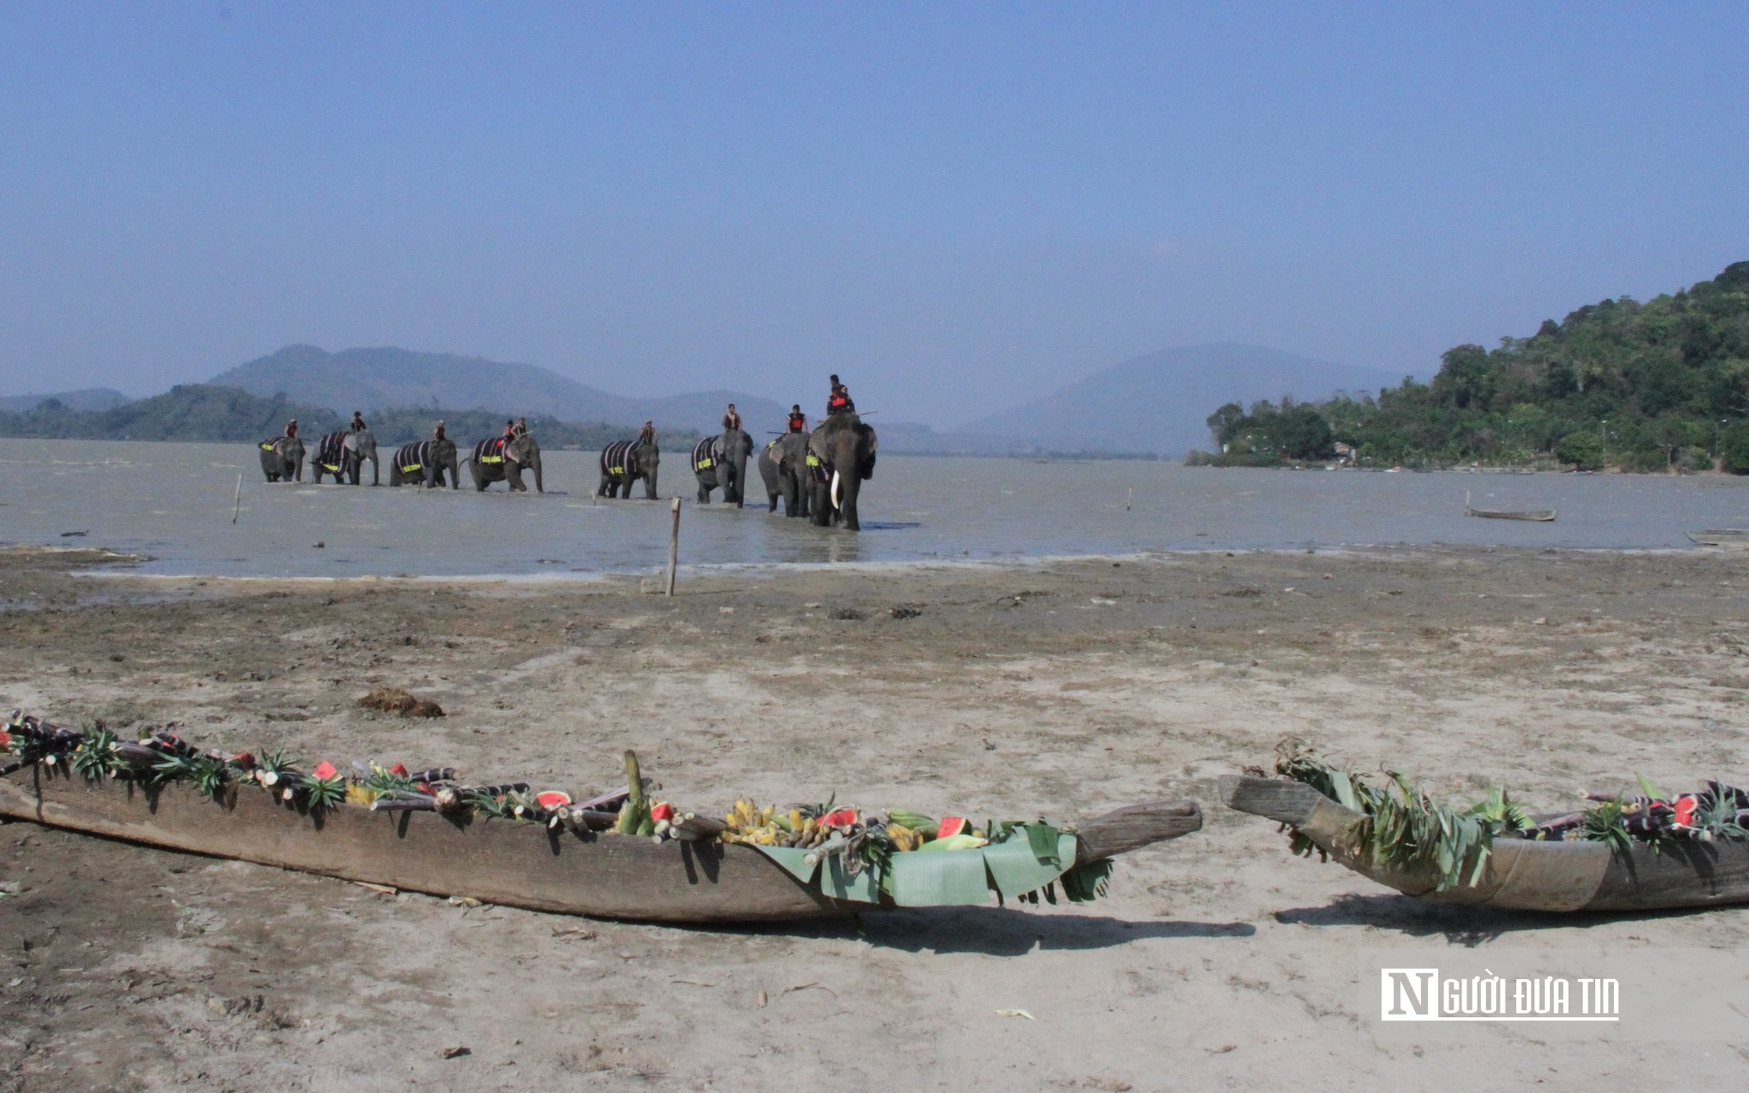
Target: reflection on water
x: 174, y: 502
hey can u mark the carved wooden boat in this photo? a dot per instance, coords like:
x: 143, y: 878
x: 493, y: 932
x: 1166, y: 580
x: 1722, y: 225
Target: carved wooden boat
x: 1539, y: 515
x: 493, y: 860
x: 1721, y: 537
x: 1521, y: 874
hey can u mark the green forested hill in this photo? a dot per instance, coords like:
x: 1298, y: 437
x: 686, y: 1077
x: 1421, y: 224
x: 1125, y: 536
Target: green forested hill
x: 1644, y: 386
x: 204, y: 412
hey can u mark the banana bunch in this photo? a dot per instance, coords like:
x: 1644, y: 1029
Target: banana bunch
x: 751, y: 825
x: 904, y: 838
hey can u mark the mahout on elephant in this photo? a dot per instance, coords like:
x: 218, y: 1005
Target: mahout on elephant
x: 845, y: 449
x: 427, y: 462
x: 625, y: 461
x: 503, y: 459
x: 721, y: 462
x: 343, y: 454
x: 783, y: 464
x: 282, y: 458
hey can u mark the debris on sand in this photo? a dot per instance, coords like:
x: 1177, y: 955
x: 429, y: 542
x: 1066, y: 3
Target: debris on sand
x: 395, y: 700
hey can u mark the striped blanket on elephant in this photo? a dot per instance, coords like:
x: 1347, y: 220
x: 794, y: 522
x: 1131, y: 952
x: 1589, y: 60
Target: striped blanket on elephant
x: 411, y: 458
x: 620, y: 458
x: 706, y: 453
x: 331, y: 452
x: 489, y: 451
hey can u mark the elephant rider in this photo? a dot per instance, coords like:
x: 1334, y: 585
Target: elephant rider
x: 521, y: 426
x: 647, y: 435
x: 509, y: 431
x: 358, y: 425
x: 291, y: 429
x: 732, y: 419
x: 437, y: 433
x: 798, y: 421
x: 839, y: 401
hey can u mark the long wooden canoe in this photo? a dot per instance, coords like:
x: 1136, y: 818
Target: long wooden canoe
x: 1521, y: 874
x: 492, y: 860
x: 1541, y: 516
x: 1721, y: 537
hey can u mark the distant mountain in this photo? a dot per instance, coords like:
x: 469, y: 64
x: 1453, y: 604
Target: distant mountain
x: 1158, y: 403
x: 87, y: 398
x: 374, y: 379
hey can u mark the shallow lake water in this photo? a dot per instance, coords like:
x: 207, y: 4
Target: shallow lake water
x: 173, y: 502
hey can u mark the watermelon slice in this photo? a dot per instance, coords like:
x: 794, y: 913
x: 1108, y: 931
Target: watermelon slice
x: 661, y: 810
x: 953, y: 825
x: 1686, y: 806
x: 324, y: 770
x: 399, y: 770
x: 5, y: 739
x: 552, y: 798
x: 842, y: 817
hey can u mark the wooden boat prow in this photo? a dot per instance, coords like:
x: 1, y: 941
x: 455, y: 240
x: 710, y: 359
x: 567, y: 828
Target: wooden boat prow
x: 492, y: 860
x: 1520, y: 874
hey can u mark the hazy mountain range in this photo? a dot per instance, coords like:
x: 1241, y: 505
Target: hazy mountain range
x: 1156, y: 404
x: 374, y: 379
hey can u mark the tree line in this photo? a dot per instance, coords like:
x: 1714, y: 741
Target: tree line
x: 203, y: 412
x: 1647, y: 386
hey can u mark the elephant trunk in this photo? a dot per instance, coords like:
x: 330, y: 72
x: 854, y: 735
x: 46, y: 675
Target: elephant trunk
x: 534, y: 465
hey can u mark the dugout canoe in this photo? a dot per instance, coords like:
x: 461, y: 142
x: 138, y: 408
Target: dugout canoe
x: 1521, y: 874
x: 1737, y: 538
x: 492, y: 860
x: 1541, y: 516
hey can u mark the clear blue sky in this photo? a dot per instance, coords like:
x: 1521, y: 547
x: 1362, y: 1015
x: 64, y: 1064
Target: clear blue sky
x: 956, y: 206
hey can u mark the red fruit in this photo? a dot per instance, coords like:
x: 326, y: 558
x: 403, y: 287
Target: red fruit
x: 953, y: 825
x: 324, y: 770
x: 552, y: 798
x: 5, y: 740
x: 425, y: 788
x: 243, y: 760
x: 842, y: 817
x: 1685, y: 809
x: 399, y: 770
x: 662, y: 811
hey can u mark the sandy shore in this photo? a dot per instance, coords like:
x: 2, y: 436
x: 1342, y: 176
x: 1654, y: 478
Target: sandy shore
x: 1064, y: 689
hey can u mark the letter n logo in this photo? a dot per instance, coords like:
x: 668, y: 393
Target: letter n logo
x: 1409, y: 994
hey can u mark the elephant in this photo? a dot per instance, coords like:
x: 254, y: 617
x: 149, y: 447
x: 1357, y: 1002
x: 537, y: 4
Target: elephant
x: 343, y: 455
x: 721, y: 461
x: 282, y: 458
x: 427, y: 462
x: 845, y: 448
x: 501, y: 460
x: 625, y: 461
x: 783, y: 464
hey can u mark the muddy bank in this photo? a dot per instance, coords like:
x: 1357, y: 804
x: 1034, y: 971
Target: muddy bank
x: 1063, y: 689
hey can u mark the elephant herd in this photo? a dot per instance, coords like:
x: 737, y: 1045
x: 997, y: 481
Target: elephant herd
x: 817, y: 474
x: 433, y: 463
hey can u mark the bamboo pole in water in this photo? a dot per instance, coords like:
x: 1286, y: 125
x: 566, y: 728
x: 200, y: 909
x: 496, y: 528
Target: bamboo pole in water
x: 237, y: 501
x: 673, y: 545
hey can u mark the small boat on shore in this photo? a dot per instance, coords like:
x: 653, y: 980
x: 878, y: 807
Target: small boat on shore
x: 1517, y: 874
x: 580, y: 868
x: 1542, y: 516
x: 1732, y: 538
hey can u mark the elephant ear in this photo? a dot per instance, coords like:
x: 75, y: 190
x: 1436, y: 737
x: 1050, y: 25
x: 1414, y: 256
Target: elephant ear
x: 868, y: 433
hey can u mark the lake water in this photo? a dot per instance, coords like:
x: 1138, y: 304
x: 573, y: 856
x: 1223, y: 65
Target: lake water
x: 173, y: 502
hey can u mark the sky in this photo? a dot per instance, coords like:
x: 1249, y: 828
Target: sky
x: 957, y: 207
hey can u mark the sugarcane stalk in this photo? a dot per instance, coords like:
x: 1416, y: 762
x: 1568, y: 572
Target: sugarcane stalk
x: 420, y: 803
x: 631, y: 813
x: 693, y: 827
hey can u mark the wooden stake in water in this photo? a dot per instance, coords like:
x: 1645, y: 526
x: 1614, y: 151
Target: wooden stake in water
x: 237, y: 501
x: 673, y: 545
x: 1130, y: 500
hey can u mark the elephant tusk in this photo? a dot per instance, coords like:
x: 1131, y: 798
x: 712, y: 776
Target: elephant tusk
x: 836, y: 500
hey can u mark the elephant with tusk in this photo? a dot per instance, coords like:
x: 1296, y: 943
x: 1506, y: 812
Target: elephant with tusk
x: 503, y: 460
x: 845, y: 450
x: 343, y: 455
x: 282, y: 459
x: 426, y: 462
x: 783, y: 464
x: 721, y: 461
x: 625, y: 461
